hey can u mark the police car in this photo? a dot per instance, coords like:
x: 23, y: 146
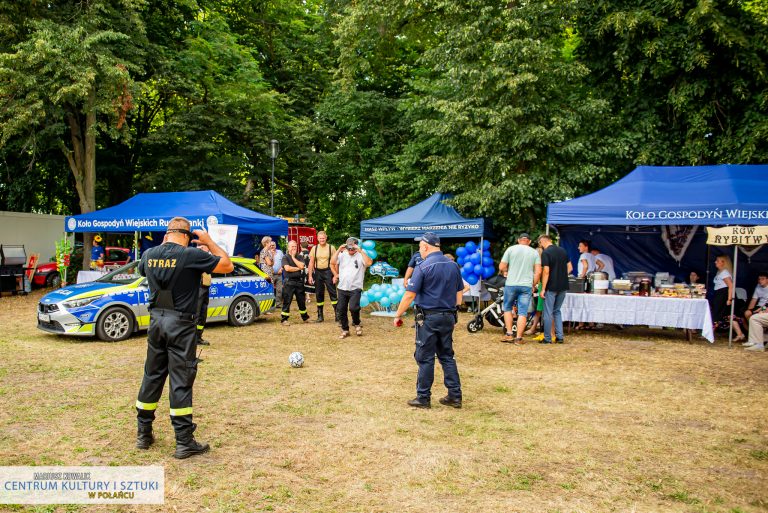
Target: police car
x: 116, y: 305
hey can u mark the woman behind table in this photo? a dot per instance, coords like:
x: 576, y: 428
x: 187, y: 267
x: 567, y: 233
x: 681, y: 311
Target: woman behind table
x: 720, y: 303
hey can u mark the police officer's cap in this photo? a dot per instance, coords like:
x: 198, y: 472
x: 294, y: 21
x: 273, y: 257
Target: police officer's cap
x: 430, y: 238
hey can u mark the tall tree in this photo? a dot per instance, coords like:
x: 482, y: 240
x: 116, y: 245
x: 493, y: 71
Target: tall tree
x: 687, y: 78
x: 69, y: 78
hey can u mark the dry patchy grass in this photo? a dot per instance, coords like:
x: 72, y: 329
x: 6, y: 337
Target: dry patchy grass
x: 614, y: 421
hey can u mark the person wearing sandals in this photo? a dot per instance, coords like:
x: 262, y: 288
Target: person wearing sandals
x: 349, y: 264
x: 521, y: 265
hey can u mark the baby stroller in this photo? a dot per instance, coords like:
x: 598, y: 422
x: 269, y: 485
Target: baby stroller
x: 493, y: 314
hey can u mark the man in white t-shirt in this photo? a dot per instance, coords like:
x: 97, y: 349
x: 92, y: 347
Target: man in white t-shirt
x: 759, y: 302
x: 349, y: 264
x: 586, y: 259
x: 603, y: 263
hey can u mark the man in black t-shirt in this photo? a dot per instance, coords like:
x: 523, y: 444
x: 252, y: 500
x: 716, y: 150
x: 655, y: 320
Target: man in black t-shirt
x: 173, y: 273
x: 555, y: 268
x: 293, y: 286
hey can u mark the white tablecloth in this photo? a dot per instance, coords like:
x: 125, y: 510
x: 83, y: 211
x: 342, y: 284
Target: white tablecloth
x: 652, y: 311
x: 87, y: 276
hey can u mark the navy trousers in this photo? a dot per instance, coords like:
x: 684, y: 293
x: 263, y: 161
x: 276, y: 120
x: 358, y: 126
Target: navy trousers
x: 435, y: 337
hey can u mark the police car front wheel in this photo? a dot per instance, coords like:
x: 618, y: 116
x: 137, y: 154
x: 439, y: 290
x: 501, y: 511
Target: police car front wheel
x: 242, y: 312
x: 115, y: 324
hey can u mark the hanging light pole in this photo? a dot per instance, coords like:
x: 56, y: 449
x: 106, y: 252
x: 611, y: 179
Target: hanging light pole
x: 274, y: 146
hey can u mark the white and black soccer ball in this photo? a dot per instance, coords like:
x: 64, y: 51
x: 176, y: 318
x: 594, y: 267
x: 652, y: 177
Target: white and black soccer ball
x: 296, y: 359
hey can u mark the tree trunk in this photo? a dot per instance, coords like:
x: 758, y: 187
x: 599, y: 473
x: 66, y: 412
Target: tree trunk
x: 82, y: 161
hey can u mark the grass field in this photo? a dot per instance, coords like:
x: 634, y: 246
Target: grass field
x: 611, y: 421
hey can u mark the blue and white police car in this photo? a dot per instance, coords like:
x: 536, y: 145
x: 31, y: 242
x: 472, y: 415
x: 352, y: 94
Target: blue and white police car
x: 115, y: 306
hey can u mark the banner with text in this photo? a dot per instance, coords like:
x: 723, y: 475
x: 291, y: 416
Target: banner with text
x: 737, y: 235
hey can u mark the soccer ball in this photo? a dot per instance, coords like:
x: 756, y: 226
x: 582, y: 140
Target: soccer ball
x: 296, y: 359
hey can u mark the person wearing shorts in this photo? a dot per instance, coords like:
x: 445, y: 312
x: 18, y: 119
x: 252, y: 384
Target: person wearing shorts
x: 521, y: 265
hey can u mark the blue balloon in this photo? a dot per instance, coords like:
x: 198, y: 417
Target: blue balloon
x: 375, y: 286
x: 384, y: 301
x: 371, y: 253
x: 394, y: 297
x: 364, y: 295
x: 461, y: 251
x: 469, y: 267
x: 364, y: 302
x: 478, y: 270
x: 486, y: 244
x: 461, y: 261
x: 369, y: 244
x: 487, y: 253
x: 472, y: 279
x: 471, y: 246
x: 475, y: 258
x: 487, y: 261
x: 377, y: 294
x: 464, y: 273
x: 488, y: 272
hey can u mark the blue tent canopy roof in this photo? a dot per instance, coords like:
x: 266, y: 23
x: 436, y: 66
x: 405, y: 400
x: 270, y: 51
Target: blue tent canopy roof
x: 651, y: 196
x: 151, y: 212
x: 430, y: 215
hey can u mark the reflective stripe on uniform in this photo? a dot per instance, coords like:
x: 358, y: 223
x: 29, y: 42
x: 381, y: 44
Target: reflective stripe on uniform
x: 178, y: 412
x: 334, y: 302
x: 302, y: 311
x: 320, y: 303
x: 285, y: 314
x: 146, y: 406
x: 200, y: 327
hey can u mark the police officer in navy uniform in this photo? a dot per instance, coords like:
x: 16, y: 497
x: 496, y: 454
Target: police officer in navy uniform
x: 437, y: 288
x: 173, y: 272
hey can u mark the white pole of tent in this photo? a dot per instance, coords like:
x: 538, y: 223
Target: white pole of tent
x: 136, y: 236
x: 547, y: 232
x: 733, y: 299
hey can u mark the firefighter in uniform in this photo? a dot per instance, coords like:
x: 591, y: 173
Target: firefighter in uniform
x: 173, y: 272
x: 203, y: 296
x: 293, y: 286
x: 322, y: 275
x: 437, y: 288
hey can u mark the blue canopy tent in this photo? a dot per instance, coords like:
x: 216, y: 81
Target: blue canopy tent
x: 151, y: 212
x: 653, y: 218
x: 431, y: 215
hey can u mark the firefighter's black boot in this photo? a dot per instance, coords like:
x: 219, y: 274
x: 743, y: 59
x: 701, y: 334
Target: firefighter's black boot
x: 187, y: 446
x: 144, y: 437
x: 319, y: 314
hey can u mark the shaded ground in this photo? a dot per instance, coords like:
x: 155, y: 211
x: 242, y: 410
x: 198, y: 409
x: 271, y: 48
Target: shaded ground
x: 612, y: 421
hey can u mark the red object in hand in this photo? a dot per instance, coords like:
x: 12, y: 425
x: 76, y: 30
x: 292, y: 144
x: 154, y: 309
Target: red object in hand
x: 399, y: 322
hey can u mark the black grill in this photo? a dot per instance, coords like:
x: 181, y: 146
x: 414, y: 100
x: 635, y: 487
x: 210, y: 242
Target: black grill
x: 52, y: 326
x: 43, y: 308
x: 12, y: 261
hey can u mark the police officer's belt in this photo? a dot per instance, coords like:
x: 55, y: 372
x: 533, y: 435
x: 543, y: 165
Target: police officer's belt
x: 173, y: 313
x: 432, y: 312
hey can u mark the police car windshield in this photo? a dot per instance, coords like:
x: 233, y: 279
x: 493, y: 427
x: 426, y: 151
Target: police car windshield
x: 122, y: 275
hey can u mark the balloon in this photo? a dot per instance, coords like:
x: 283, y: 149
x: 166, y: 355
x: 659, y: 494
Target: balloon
x: 384, y: 302
x: 475, y: 258
x: 464, y: 273
x: 487, y: 253
x: 369, y: 244
x: 371, y: 253
x: 487, y: 261
x: 461, y: 251
x: 486, y: 244
x: 478, y: 270
x: 471, y: 246
x: 394, y: 297
x: 472, y: 279
x: 375, y: 286
x: 469, y: 267
x: 413, y: 303
x: 488, y: 272
x: 377, y: 294
x: 461, y: 260
x: 364, y: 295
x: 364, y: 302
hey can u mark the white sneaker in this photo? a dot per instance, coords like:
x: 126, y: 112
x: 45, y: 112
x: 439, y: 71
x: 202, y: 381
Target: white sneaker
x: 756, y: 347
x: 748, y: 343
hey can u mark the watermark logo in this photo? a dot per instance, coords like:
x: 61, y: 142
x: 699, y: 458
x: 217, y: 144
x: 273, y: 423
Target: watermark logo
x: 82, y: 485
